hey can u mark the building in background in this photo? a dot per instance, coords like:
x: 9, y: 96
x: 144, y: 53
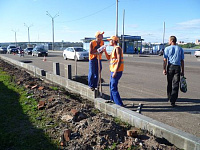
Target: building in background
x: 181, y: 43
x: 130, y: 43
x: 197, y: 42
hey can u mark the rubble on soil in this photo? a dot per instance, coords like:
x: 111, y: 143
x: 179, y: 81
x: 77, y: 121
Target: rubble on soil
x: 76, y: 123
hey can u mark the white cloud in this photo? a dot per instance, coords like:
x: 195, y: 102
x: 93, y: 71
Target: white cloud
x: 132, y: 26
x: 189, y: 25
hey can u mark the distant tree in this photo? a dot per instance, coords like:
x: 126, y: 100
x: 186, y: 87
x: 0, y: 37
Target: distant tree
x: 188, y: 45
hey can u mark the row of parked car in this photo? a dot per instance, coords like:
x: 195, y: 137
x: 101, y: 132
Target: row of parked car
x: 37, y: 51
x: 76, y: 53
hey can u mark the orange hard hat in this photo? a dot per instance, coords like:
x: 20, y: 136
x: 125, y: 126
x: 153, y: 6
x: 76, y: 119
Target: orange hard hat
x: 98, y: 33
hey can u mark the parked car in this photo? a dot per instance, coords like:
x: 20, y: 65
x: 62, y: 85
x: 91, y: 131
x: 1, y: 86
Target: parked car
x: 12, y: 49
x: 28, y: 50
x: 76, y: 53
x: 39, y: 51
x: 197, y: 53
x: 3, y: 50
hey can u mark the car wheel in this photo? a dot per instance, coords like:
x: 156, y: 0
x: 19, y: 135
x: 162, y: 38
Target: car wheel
x: 65, y: 57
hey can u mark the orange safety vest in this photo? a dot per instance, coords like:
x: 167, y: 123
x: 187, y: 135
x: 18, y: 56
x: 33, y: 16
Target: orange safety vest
x: 94, y: 44
x: 114, y: 61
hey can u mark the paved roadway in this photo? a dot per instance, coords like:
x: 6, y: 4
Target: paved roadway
x: 143, y: 82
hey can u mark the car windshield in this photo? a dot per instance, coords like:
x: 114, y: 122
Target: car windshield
x: 30, y: 48
x: 41, y: 50
x: 12, y: 47
x: 80, y: 49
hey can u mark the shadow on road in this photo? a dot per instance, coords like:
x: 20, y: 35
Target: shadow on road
x: 182, y: 105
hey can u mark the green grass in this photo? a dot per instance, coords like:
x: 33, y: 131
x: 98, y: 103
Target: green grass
x: 53, y: 88
x: 121, y: 123
x: 19, y: 128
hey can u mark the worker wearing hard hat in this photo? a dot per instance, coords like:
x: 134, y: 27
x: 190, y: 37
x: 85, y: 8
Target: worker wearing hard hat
x: 116, y: 69
x: 93, y: 62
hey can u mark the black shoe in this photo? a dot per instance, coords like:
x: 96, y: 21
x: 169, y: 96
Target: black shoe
x: 173, y: 104
x: 109, y: 101
x: 168, y: 98
x: 92, y: 88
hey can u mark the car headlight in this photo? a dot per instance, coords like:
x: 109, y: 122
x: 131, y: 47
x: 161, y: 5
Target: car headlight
x: 39, y: 52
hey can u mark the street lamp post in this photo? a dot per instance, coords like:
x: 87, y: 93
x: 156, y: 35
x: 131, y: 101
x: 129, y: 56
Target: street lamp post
x: 15, y: 37
x: 117, y: 18
x: 164, y: 36
x: 28, y: 33
x: 123, y: 30
x: 52, y: 18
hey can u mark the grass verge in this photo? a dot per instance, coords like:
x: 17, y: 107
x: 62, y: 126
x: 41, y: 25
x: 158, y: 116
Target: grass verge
x: 19, y: 127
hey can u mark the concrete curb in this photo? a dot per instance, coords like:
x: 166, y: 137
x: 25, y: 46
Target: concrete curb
x: 71, y: 85
x: 177, y: 137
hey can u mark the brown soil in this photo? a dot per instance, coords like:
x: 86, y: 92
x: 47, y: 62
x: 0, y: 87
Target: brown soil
x: 85, y: 127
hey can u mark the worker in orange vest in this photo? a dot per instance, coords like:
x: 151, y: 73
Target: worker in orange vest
x: 93, y: 60
x: 116, y: 69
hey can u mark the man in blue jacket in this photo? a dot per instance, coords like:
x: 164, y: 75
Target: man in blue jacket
x: 174, y: 60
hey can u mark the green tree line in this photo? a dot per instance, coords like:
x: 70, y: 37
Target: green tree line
x: 189, y: 45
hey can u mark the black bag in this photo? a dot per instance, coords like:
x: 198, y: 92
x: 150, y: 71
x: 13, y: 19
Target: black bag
x: 183, y: 84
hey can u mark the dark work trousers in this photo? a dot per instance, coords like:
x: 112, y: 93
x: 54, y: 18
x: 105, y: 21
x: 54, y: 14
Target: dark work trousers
x: 173, y: 79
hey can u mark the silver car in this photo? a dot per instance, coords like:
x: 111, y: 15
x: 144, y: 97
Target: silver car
x: 76, y: 53
x: 12, y: 49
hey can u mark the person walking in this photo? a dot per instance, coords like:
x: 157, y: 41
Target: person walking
x: 116, y: 69
x: 139, y: 50
x: 93, y: 60
x: 135, y: 49
x: 174, y: 60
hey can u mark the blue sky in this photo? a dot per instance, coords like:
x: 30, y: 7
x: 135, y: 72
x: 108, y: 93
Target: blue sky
x: 82, y: 18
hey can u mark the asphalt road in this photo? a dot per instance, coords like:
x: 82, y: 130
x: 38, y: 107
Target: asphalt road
x: 143, y: 82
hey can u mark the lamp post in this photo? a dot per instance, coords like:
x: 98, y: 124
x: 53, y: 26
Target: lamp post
x: 117, y: 18
x: 28, y: 33
x: 52, y: 18
x: 163, y: 35
x: 15, y: 37
x: 123, y: 31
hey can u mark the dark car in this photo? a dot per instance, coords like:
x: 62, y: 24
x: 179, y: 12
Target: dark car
x: 12, y: 49
x: 39, y: 51
x: 28, y: 50
x: 3, y: 50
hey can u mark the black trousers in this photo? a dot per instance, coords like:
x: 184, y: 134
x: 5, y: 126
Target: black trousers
x: 173, y: 79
